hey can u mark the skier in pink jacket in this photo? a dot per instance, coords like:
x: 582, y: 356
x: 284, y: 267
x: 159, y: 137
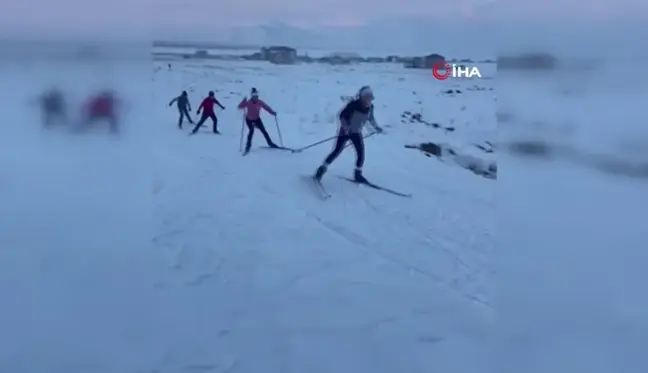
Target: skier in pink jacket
x: 253, y: 120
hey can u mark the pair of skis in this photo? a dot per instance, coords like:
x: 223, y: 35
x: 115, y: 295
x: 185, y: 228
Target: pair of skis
x: 377, y: 187
x: 324, y: 194
x: 321, y: 190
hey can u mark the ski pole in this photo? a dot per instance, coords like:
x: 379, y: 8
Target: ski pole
x: 278, y: 131
x: 314, y: 144
x: 242, y: 130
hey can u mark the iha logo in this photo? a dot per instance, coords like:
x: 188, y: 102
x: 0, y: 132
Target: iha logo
x: 444, y: 70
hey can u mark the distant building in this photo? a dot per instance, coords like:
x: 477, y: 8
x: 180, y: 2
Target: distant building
x: 280, y: 55
x: 425, y: 62
x: 346, y: 57
x: 335, y: 60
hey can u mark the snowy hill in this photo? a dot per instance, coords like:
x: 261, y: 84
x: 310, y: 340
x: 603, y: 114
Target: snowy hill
x: 160, y: 252
x: 363, y: 269
x: 247, y: 270
x: 408, y: 36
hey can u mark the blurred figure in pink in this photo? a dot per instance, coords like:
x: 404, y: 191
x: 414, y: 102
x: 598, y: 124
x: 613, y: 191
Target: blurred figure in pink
x: 101, y: 107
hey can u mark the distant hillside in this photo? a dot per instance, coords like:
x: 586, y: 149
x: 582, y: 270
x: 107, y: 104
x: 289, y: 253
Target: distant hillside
x: 396, y: 36
x: 201, y: 45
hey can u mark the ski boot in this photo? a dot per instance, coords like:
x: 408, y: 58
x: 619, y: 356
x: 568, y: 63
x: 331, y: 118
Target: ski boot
x: 321, y: 170
x: 358, y: 177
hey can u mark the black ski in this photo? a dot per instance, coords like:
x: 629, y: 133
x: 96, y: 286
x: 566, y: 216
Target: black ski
x: 377, y: 187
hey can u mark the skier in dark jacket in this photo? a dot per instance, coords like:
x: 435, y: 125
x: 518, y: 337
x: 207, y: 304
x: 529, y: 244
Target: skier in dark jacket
x: 253, y: 120
x: 53, y: 107
x: 184, y: 107
x: 352, y: 120
x: 207, y: 107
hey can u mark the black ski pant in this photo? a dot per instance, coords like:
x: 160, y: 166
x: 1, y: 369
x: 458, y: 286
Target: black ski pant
x: 342, y: 139
x: 202, y: 120
x: 184, y: 113
x: 251, y: 125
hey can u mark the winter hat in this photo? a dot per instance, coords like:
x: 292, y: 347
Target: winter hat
x: 254, y: 93
x: 366, y: 91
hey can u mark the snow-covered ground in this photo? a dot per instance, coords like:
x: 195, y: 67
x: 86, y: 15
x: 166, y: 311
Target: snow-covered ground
x: 363, y: 282
x: 246, y: 271
x: 160, y: 252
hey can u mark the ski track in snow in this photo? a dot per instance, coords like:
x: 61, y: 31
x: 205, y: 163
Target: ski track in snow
x: 248, y: 272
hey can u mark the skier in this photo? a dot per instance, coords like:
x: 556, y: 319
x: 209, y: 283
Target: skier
x: 184, y: 107
x: 207, y: 107
x: 253, y: 120
x: 101, y: 107
x: 53, y: 107
x: 352, y: 120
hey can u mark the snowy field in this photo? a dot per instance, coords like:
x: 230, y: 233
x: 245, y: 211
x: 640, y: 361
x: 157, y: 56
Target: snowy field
x: 168, y: 253
x: 160, y: 252
x: 364, y: 282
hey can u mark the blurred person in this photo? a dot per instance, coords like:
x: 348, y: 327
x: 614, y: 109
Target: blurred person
x: 353, y: 118
x: 253, y: 120
x: 207, y: 108
x: 101, y: 107
x: 53, y: 108
x: 184, y: 107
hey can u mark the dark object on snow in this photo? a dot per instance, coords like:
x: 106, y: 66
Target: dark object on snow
x: 53, y: 108
x: 279, y: 55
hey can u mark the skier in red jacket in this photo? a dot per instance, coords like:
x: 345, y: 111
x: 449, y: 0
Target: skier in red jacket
x: 253, y: 108
x: 207, y: 107
x: 99, y: 108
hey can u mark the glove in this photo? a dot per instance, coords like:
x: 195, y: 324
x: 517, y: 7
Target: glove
x: 274, y: 114
x: 198, y: 112
x: 378, y: 129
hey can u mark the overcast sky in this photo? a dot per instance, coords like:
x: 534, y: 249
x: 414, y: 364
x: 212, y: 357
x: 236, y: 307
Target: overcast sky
x: 150, y: 19
x: 122, y: 15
